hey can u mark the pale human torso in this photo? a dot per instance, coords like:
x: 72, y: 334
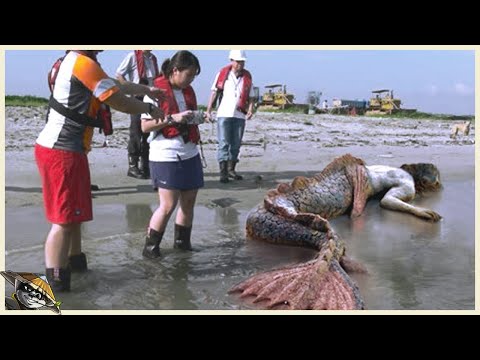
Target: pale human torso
x: 399, y: 182
x: 400, y: 188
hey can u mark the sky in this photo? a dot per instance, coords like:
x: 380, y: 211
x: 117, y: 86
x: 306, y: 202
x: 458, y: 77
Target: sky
x: 435, y: 81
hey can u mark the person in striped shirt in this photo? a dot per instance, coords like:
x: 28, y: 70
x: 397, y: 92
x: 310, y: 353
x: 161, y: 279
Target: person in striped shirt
x: 81, y: 86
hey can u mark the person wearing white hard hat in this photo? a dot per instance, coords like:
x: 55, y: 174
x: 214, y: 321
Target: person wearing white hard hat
x: 233, y: 88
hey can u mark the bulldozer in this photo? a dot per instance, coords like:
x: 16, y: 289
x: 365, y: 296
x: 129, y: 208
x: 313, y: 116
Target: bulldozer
x: 383, y: 102
x: 279, y: 99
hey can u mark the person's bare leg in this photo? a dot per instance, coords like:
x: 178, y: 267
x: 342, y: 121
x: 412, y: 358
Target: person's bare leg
x: 75, y: 240
x: 158, y: 222
x: 77, y: 260
x: 168, y: 201
x: 57, y: 245
x: 185, y: 212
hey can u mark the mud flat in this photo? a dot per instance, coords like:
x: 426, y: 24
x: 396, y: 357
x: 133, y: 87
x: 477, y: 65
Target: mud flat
x: 277, y: 147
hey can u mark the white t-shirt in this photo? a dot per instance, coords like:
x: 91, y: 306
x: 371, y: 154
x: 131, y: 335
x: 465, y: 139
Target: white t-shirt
x: 162, y: 149
x: 231, y: 94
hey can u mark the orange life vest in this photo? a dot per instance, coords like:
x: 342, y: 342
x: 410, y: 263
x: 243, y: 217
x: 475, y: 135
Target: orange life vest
x: 104, y: 115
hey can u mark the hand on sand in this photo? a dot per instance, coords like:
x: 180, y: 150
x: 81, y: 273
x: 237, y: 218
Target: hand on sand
x: 429, y: 215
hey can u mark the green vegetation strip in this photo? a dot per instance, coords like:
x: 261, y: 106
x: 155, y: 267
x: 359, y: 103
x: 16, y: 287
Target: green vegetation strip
x: 27, y: 100
x: 422, y: 115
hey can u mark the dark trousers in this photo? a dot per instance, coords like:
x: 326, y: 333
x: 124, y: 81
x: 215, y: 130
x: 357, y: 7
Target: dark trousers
x: 137, y: 142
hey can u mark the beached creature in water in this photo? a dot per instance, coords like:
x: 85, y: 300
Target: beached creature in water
x: 298, y: 214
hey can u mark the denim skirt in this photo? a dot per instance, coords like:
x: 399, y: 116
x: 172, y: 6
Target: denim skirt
x: 177, y: 175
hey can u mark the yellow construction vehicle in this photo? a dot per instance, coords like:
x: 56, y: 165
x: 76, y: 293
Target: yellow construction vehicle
x: 276, y: 98
x: 383, y: 102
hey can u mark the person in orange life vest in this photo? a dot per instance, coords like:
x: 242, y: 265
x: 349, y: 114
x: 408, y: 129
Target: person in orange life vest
x: 61, y: 148
x: 104, y: 114
x: 234, y: 82
x: 140, y: 67
x: 175, y: 165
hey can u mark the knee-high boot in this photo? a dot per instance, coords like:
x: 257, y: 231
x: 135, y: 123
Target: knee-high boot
x: 223, y: 172
x: 78, y: 263
x: 231, y: 170
x: 133, y: 170
x: 59, y: 279
x: 152, y: 244
x: 182, y: 237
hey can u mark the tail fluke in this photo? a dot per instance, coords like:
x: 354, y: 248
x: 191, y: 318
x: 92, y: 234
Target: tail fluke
x: 320, y: 284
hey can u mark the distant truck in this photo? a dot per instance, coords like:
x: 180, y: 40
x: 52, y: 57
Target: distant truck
x: 359, y: 104
x: 345, y: 106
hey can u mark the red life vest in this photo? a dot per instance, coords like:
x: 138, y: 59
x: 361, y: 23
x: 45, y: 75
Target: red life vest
x: 189, y: 132
x: 142, y: 74
x: 247, y: 84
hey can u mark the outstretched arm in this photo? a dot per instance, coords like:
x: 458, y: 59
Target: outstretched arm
x: 400, y: 187
x: 131, y: 88
x: 394, y: 200
x: 119, y: 101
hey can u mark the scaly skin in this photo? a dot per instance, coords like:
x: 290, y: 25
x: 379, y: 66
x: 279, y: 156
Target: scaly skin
x: 298, y: 214
x: 265, y: 226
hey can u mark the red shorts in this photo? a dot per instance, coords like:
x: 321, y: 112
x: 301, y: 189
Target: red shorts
x: 65, y: 178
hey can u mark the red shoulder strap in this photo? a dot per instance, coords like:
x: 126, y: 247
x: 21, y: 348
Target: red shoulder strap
x: 244, y: 95
x: 53, y: 73
x: 140, y: 63
x: 155, y: 65
x: 222, y: 77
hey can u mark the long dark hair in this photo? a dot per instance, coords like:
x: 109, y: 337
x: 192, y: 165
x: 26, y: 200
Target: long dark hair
x: 182, y: 60
x: 426, y: 176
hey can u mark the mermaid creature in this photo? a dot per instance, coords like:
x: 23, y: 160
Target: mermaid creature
x: 298, y: 214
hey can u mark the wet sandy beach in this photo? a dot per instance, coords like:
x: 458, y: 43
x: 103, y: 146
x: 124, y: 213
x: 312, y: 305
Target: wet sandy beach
x: 413, y: 264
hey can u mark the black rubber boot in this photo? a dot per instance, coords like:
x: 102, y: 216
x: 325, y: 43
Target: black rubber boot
x: 223, y: 172
x: 59, y: 279
x: 152, y: 244
x: 182, y: 237
x: 144, y: 167
x: 133, y: 170
x: 231, y: 170
x: 78, y: 263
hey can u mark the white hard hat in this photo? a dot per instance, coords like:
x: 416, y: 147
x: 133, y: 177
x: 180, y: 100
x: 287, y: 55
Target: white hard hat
x: 238, y: 55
